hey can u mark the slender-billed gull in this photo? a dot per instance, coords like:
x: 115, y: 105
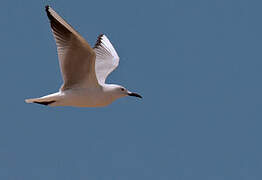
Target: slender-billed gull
x: 84, y: 69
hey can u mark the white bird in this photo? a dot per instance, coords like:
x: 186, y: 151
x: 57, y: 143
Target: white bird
x: 84, y: 69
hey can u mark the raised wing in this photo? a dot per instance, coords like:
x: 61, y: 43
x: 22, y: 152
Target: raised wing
x: 76, y: 57
x: 106, y: 58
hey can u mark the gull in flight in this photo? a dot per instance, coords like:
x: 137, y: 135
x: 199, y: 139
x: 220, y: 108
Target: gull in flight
x: 84, y: 69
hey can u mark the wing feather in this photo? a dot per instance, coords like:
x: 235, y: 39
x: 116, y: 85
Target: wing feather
x: 76, y: 57
x: 107, y: 59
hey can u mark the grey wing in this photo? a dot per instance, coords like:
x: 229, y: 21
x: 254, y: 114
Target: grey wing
x: 107, y: 59
x: 76, y: 57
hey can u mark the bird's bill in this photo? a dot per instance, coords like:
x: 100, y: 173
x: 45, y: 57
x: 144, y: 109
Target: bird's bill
x: 134, y: 94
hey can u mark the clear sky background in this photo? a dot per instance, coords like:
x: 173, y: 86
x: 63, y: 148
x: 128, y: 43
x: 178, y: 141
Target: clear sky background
x: 197, y: 63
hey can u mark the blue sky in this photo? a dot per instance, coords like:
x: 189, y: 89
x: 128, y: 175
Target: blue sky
x: 196, y: 63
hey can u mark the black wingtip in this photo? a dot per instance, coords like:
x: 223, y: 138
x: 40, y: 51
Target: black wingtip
x: 100, y: 35
x: 48, y: 12
x: 98, y: 41
x: 46, y: 103
x: 47, y: 7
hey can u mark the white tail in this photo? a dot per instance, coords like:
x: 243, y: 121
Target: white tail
x: 30, y: 100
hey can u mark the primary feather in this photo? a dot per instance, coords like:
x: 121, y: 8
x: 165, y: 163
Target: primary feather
x: 107, y: 59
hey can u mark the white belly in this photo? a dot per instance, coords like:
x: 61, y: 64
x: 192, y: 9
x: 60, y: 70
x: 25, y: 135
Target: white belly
x: 83, y: 98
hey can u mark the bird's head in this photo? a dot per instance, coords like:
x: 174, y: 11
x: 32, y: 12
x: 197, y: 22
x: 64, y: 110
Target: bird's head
x: 119, y: 91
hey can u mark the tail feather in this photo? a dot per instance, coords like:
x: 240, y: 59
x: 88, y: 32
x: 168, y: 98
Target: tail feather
x: 30, y: 100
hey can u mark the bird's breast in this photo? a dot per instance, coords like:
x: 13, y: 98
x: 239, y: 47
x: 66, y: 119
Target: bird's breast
x: 86, y: 98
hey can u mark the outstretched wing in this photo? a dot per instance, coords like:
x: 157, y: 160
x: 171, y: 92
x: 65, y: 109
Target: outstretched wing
x: 76, y: 57
x: 106, y: 58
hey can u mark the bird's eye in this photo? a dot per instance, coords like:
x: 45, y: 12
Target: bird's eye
x: 122, y: 89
